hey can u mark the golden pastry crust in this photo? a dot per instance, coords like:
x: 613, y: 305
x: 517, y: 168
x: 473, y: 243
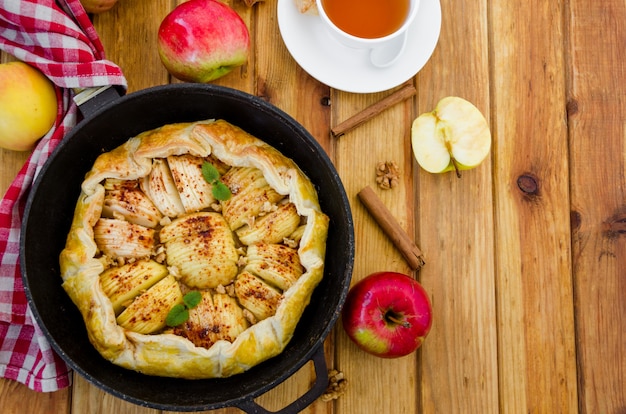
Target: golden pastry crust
x: 166, y: 353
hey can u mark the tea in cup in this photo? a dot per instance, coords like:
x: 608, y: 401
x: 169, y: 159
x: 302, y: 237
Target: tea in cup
x: 378, y: 25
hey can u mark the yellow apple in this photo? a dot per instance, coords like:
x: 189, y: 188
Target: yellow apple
x: 454, y: 136
x: 28, y: 106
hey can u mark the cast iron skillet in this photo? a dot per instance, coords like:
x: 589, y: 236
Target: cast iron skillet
x: 50, y: 208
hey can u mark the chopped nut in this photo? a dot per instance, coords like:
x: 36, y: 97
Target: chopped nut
x: 337, y: 384
x: 290, y: 243
x: 269, y: 207
x: 174, y: 271
x: 160, y: 254
x: 387, y: 174
x: 220, y: 289
x: 249, y: 316
x: 230, y: 290
x: 106, y: 261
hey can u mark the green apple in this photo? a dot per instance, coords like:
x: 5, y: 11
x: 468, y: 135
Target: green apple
x: 455, y: 136
x: 28, y: 105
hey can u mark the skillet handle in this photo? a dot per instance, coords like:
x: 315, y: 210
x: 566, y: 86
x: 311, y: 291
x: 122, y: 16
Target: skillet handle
x: 91, y: 99
x: 316, y: 390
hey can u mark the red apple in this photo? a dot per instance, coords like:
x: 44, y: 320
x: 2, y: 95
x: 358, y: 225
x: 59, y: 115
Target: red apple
x: 202, y: 40
x: 387, y: 314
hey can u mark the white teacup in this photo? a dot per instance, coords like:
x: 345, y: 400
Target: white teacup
x: 385, y: 50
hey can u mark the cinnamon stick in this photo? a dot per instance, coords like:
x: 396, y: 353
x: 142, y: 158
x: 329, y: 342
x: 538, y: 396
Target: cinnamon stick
x: 368, y: 113
x: 412, y: 254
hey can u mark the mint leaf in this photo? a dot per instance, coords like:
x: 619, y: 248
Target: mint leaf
x: 212, y: 176
x: 221, y: 191
x: 192, y: 299
x: 177, y: 315
x: 210, y: 173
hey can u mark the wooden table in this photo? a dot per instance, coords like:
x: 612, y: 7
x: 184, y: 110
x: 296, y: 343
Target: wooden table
x: 525, y: 255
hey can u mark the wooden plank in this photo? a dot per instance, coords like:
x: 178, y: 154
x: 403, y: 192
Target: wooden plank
x: 280, y: 81
x: 12, y: 162
x: 375, y: 385
x: 534, y: 296
x: 16, y: 398
x: 131, y: 41
x: 455, y: 230
x: 87, y: 398
x: 597, y: 110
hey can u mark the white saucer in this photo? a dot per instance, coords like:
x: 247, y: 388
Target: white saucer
x: 348, y: 69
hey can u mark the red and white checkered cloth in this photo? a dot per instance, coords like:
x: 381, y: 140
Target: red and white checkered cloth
x: 58, y: 38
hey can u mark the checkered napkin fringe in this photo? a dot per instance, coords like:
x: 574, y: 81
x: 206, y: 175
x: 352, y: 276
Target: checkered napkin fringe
x: 58, y: 38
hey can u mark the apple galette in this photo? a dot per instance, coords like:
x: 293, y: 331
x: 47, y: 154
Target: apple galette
x: 193, y: 251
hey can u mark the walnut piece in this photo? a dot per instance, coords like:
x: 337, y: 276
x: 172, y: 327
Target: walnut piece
x: 387, y: 174
x: 290, y: 243
x: 337, y: 384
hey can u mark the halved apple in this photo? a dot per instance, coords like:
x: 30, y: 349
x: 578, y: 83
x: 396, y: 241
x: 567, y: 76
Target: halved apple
x: 455, y: 136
